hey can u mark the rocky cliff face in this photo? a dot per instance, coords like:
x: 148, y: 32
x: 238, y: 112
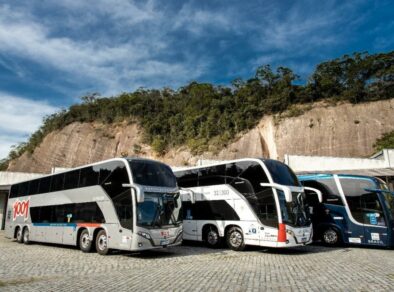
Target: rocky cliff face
x: 342, y: 130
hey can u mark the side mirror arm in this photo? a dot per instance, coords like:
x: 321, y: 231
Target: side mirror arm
x: 286, y: 190
x: 318, y: 193
x: 190, y: 193
x: 139, y: 195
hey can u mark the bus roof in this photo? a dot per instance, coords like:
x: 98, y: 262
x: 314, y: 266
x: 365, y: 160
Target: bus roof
x: 124, y: 159
x: 258, y: 159
x: 312, y: 176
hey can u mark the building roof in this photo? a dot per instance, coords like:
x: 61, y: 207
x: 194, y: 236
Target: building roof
x: 8, y: 178
x: 380, y: 164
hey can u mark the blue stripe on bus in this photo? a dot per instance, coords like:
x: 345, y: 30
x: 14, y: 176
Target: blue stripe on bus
x: 314, y: 176
x: 56, y: 224
x: 328, y: 176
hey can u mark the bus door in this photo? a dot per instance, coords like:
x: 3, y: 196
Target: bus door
x: 376, y: 230
x: 189, y: 221
x: 368, y: 221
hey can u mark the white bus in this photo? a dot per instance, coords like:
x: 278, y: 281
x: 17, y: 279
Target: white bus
x: 125, y: 204
x: 246, y: 202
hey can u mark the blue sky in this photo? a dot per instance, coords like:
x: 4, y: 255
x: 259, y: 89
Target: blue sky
x: 53, y: 52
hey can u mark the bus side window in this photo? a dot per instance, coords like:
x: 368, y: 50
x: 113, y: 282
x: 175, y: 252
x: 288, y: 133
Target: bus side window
x: 57, y: 182
x: 112, y: 176
x: 89, y: 177
x: 329, y: 191
x: 188, y: 178
x: 23, y: 189
x: 45, y: 185
x: 71, y: 179
x: 214, y: 175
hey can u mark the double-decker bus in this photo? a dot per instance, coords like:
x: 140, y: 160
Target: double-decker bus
x: 355, y: 209
x: 125, y: 204
x: 246, y: 202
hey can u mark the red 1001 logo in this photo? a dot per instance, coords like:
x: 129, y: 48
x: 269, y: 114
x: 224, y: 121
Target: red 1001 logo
x: 21, y: 209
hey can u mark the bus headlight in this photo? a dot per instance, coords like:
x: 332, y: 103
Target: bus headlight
x: 144, y: 235
x: 290, y: 232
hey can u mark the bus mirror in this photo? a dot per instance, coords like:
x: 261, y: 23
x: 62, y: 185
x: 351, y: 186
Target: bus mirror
x: 190, y: 193
x: 286, y: 190
x: 138, y: 194
x: 318, y: 193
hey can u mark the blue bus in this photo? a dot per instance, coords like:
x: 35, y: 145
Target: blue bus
x: 355, y: 209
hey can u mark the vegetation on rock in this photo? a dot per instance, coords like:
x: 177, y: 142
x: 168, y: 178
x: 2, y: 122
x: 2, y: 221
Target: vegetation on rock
x: 199, y: 114
x: 386, y: 141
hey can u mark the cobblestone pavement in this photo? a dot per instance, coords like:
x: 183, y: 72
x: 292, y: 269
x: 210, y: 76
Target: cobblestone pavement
x: 193, y: 267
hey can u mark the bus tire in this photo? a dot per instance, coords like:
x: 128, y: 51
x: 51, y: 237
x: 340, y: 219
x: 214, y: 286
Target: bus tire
x: 331, y: 237
x: 102, y: 243
x: 19, y: 235
x: 211, y: 237
x: 26, y: 235
x: 85, y: 244
x: 235, y: 239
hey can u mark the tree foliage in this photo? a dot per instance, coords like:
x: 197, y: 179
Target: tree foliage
x: 386, y: 141
x: 201, y: 114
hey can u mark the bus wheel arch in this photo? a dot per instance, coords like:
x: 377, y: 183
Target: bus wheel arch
x: 210, y: 235
x: 84, y: 241
x: 235, y: 237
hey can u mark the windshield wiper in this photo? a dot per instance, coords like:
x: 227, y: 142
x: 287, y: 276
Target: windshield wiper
x: 157, y: 216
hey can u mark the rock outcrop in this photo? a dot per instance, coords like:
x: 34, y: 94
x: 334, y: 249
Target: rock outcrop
x: 341, y: 130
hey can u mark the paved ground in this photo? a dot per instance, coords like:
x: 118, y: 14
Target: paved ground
x: 195, y: 268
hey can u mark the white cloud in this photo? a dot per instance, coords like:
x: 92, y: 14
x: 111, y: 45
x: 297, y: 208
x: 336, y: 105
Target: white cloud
x: 199, y: 21
x: 19, y: 117
x: 112, y: 66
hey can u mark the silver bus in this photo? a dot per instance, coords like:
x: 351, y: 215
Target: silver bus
x: 245, y: 202
x: 122, y: 203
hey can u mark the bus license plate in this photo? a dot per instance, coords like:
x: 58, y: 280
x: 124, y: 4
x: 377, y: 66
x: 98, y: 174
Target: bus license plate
x: 304, y: 239
x: 164, y: 242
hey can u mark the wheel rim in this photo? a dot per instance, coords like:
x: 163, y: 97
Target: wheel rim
x: 26, y: 235
x: 85, y: 241
x: 236, y: 239
x: 102, y: 242
x: 212, y: 237
x: 330, y: 236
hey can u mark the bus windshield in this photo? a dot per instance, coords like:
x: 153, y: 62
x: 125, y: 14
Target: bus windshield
x: 150, y: 173
x: 294, y: 213
x: 388, y: 197
x: 281, y: 173
x: 159, y: 210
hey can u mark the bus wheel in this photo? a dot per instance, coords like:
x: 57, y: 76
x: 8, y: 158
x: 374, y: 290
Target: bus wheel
x: 26, y: 234
x: 331, y: 237
x: 235, y: 239
x: 19, y: 236
x: 211, y: 237
x: 102, y: 243
x: 85, y: 244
